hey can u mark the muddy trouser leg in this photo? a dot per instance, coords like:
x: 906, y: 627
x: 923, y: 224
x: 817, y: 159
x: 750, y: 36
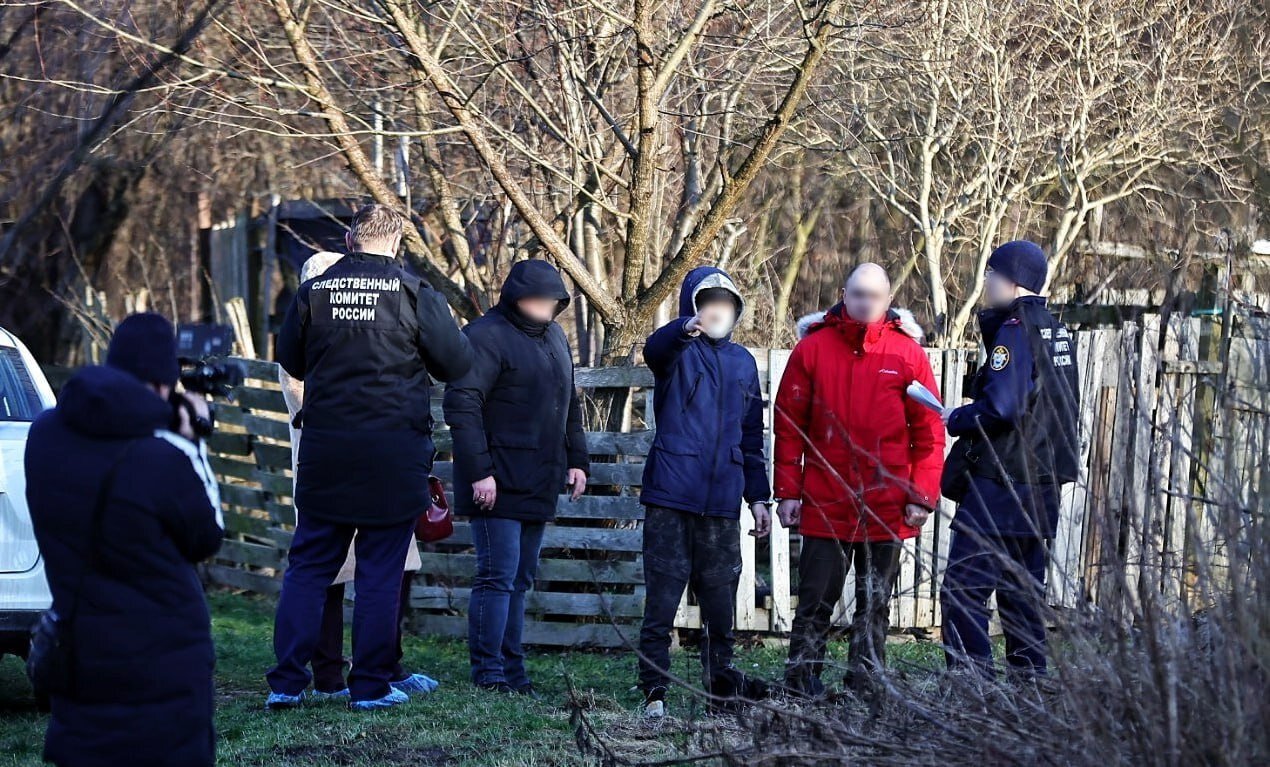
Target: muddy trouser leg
x: 328, y: 657
x: 822, y: 571
x: 877, y: 564
x: 716, y: 568
x: 667, y: 564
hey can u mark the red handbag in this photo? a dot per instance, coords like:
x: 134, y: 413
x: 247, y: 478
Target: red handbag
x: 437, y: 523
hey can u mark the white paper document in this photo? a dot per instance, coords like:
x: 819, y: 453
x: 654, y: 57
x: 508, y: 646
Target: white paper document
x: 924, y: 396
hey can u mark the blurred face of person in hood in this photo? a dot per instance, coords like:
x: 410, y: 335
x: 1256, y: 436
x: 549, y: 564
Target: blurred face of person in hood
x: 716, y: 312
x: 867, y: 294
x: 538, y: 309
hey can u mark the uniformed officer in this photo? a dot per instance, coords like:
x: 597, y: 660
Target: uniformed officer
x: 1018, y: 443
x: 364, y: 337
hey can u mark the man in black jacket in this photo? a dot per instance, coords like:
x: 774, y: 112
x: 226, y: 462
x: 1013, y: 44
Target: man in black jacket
x: 364, y: 337
x: 517, y: 427
x: 141, y: 691
x: 1021, y: 441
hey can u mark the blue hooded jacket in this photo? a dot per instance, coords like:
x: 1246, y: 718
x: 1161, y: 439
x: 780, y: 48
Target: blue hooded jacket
x: 708, y: 452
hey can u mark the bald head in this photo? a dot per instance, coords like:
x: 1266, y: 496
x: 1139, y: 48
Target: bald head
x: 867, y: 293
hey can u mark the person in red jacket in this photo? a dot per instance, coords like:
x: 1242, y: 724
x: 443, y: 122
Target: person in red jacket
x: 857, y: 467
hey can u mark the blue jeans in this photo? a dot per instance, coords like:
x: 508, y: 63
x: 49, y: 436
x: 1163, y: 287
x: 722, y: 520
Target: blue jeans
x: 318, y: 550
x: 506, y: 562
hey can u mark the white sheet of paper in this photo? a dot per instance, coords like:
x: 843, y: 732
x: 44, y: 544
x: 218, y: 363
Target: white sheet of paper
x: 924, y: 396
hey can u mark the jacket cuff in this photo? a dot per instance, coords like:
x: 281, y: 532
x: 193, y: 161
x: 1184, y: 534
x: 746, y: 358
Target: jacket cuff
x: 960, y: 420
x: 918, y: 498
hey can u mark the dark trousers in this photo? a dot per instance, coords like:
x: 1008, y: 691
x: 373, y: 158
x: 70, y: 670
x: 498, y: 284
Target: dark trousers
x: 329, y: 662
x: 317, y: 552
x: 682, y: 548
x: 1014, y: 568
x: 506, y: 564
x: 822, y: 573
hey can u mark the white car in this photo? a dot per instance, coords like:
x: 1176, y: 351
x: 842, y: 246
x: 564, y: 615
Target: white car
x: 24, y: 593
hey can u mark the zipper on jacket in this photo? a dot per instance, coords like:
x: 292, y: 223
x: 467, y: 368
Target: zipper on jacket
x: 718, y: 431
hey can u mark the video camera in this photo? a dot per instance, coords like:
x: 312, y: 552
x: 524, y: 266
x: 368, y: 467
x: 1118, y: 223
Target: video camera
x: 199, y: 348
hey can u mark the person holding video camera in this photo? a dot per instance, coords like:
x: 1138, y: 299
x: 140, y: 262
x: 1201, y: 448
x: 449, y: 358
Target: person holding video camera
x: 364, y: 338
x: 124, y: 504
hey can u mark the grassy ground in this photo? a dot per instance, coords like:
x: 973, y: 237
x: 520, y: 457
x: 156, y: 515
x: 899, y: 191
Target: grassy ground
x: 457, y: 725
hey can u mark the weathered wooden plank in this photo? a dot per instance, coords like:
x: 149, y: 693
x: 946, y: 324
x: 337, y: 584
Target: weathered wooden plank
x: 255, y: 398
x: 237, y: 578
x: 242, y: 496
x: 260, y: 370
x: 744, y: 610
x: 613, y: 377
x: 229, y: 443
x: 602, y: 474
x: 781, y: 614
x: 544, y: 633
x: 254, y: 554
x: 271, y: 456
x: 602, y: 605
x: 1138, y: 555
x: 245, y: 524
x: 550, y: 570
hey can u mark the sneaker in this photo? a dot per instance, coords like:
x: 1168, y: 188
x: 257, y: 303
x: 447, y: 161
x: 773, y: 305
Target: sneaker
x: 326, y: 697
x: 280, y: 701
x: 393, y: 698
x: 416, y: 684
x: 655, y: 703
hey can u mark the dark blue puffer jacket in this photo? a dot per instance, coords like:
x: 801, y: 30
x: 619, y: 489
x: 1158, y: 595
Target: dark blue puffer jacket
x: 708, y: 452
x: 142, y: 691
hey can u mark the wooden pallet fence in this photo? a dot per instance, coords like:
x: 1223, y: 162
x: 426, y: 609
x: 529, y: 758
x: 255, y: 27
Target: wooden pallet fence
x: 1137, y: 519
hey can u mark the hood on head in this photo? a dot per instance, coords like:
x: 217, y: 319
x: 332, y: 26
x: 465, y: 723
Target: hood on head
x: 903, y: 320
x: 106, y: 402
x: 702, y: 278
x: 534, y: 278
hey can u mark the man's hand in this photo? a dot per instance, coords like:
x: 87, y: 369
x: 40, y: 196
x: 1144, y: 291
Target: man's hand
x: 576, y: 481
x: 945, y: 413
x: 790, y: 512
x: 692, y: 326
x: 762, y: 519
x: 915, y: 515
x: 485, y: 493
x: 199, y: 405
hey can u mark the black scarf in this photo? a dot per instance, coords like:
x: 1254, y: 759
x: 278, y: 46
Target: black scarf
x: 530, y: 327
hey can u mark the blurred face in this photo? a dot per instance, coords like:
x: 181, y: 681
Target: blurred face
x: 998, y: 292
x: 717, y: 318
x: 867, y: 296
x: 538, y: 309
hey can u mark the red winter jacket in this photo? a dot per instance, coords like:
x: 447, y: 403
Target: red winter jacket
x: 849, y: 442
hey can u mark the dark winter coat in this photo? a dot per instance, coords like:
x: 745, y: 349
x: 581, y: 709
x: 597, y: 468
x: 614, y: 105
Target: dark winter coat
x: 516, y: 415
x: 708, y: 451
x: 1023, y: 422
x: 364, y: 337
x: 143, y: 690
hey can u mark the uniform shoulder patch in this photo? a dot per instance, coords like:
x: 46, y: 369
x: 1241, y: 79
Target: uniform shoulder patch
x: 999, y: 358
